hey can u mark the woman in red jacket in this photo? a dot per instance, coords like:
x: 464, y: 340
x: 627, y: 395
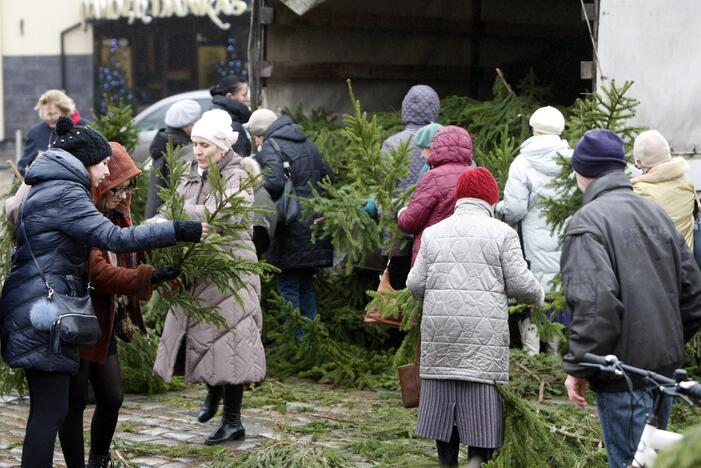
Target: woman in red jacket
x: 434, y: 198
x: 120, y: 282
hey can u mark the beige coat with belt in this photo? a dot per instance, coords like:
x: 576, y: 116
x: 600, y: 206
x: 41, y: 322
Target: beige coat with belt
x: 212, y: 355
x: 669, y: 186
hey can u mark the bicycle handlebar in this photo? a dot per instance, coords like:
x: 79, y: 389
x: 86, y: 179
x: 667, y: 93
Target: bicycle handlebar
x: 611, y: 363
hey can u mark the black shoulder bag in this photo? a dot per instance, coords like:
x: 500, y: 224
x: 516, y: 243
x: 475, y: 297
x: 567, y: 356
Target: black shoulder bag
x: 68, y: 319
x: 287, y: 205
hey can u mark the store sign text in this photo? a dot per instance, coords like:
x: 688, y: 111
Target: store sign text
x: 146, y: 10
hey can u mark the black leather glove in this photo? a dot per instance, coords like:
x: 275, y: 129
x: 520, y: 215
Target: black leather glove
x: 167, y: 273
x: 188, y: 231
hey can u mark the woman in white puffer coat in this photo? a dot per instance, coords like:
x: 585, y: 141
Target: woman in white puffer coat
x: 530, y: 177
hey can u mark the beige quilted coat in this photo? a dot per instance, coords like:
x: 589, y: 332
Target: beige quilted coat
x: 669, y: 185
x: 467, y: 267
x: 212, y: 355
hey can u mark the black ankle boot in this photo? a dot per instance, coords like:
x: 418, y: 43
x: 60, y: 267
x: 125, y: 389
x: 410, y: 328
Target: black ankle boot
x: 211, y: 403
x: 230, y: 427
x: 448, y: 452
x: 98, y: 461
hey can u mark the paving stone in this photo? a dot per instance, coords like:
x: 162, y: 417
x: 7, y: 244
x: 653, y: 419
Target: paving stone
x: 154, y: 431
x: 242, y: 444
x: 136, y: 437
x: 182, y: 436
x: 148, y: 461
x: 166, y: 442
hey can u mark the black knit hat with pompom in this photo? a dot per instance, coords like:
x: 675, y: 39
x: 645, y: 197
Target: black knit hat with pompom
x: 85, y: 143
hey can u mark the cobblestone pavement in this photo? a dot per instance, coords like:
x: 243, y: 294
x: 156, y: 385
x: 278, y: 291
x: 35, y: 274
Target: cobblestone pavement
x: 161, y: 430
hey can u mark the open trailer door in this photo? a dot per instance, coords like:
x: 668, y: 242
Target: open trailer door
x: 656, y: 43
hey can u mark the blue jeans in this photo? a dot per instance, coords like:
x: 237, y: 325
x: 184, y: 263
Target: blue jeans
x: 622, y: 417
x: 297, y: 287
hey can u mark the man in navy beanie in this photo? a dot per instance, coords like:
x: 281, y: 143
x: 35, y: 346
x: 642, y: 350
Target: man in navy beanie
x: 631, y: 282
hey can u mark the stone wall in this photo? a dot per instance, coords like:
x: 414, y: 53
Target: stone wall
x: 27, y: 77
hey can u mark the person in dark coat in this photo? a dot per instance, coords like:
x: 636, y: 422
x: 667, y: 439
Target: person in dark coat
x: 179, y: 120
x: 51, y: 105
x: 292, y: 250
x: 58, y: 224
x: 231, y: 95
x: 120, y: 282
x: 630, y: 281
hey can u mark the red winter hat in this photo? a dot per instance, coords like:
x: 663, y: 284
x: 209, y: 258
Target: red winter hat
x: 477, y: 182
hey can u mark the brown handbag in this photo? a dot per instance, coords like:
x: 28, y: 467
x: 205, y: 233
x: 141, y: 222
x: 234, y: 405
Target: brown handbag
x: 123, y: 326
x: 410, y: 381
x: 372, y: 314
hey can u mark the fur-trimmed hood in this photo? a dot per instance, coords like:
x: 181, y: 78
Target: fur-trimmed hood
x: 251, y: 166
x: 668, y: 170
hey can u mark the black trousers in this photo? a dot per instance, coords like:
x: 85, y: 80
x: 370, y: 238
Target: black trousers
x: 106, y: 380
x: 48, y: 405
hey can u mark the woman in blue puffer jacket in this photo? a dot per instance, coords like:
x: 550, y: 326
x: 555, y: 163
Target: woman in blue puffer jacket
x: 61, y: 224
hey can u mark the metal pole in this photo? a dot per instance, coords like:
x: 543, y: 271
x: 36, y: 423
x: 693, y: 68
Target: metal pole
x: 18, y: 145
x: 64, y: 80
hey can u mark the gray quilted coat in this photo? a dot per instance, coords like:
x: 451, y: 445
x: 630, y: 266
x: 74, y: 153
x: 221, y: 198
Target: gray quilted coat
x: 467, y: 267
x: 212, y: 355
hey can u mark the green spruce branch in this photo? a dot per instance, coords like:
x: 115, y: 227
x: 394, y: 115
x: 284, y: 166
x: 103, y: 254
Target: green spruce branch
x: 214, y: 260
x: 117, y: 124
x: 371, y: 174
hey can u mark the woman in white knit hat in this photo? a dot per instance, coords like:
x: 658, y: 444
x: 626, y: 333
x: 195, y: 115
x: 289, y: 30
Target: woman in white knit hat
x: 529, y: 184
x: 225, y: 360
x: 664, y: 180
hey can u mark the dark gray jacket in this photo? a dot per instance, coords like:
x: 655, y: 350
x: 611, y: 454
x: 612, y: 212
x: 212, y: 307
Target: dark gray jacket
x: 293, y: 246
x: 62, y: 224
x: 239, y: 116
x: 631, y: 282
x: 160, y: 171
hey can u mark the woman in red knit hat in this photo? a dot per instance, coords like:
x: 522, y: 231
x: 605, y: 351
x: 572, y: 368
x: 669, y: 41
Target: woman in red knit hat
x: 467, y: 267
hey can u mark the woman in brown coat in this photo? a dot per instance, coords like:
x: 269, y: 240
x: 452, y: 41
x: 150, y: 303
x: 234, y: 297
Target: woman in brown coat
x: 120, y: 282
x: 222, y: 359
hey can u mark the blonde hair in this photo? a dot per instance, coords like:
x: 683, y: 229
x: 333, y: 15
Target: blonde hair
x: 57, y: 98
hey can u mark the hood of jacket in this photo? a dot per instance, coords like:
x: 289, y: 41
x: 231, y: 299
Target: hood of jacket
x: 420, y: 106
x: 541, y: 152
x: 57, y: 164
x: 451, y: 144
x: 668, y: 170
x: 251, y: 166
x: 238, y: 111
x: 475, y: 206
x: 121, y: 166
x: 285, y: 129
x: 614, y: 180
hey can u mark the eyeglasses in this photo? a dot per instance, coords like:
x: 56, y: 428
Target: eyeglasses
x: 118, y: 192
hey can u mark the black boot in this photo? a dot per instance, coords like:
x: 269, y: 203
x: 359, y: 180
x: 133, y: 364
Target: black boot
x: 230, y: 427
x: 448, y: 451
x: 211, y: 403
x: 98, y: 461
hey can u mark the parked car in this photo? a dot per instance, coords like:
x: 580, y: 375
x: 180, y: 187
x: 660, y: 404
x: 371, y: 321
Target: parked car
x: 153, y: 117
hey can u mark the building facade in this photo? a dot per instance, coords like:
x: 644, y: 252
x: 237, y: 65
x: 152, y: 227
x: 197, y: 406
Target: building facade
x: 160, y: 47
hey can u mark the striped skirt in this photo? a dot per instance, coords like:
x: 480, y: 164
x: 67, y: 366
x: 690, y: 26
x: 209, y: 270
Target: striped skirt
x: 475, y: 408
